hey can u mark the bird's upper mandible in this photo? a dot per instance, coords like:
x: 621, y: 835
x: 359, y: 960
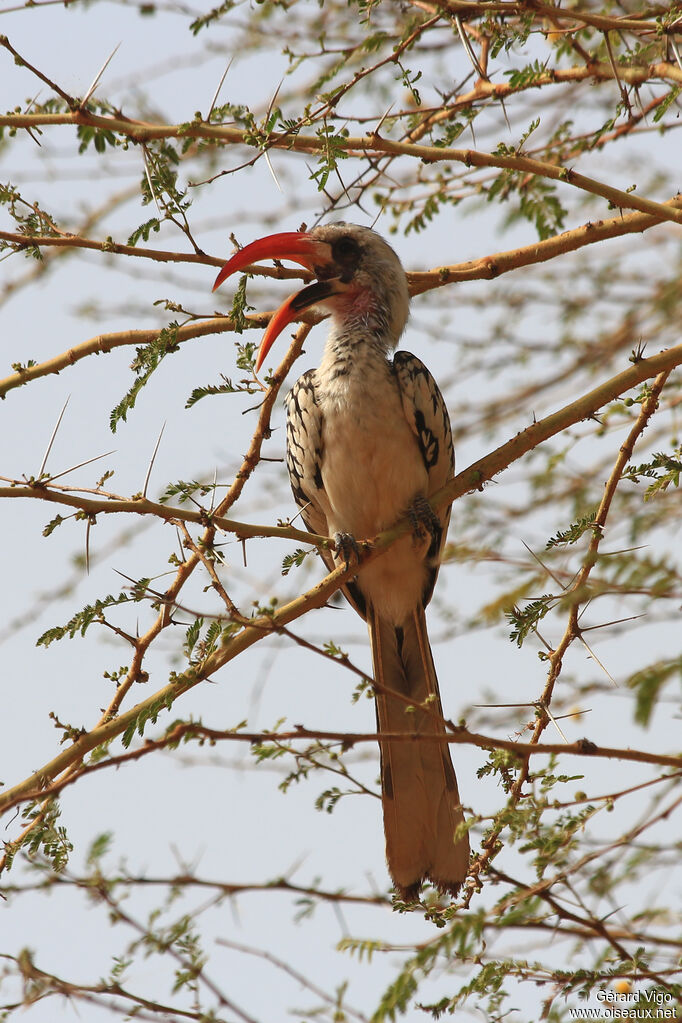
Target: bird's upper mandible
x: 359, y: 279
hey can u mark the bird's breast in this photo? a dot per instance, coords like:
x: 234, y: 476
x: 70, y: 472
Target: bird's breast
x: 372, y: 468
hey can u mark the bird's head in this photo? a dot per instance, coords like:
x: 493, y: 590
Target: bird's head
x: 360, y: 280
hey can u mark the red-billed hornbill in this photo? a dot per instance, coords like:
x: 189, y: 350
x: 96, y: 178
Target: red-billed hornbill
x: 369, y: 441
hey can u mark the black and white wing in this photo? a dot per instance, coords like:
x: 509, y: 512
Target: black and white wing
x: 305, y: 452
x: 427, y: 415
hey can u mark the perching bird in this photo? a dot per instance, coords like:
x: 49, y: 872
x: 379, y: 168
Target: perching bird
x: 369, y: 441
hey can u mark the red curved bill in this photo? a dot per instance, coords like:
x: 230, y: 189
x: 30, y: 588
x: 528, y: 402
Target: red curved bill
x: 298, y: 246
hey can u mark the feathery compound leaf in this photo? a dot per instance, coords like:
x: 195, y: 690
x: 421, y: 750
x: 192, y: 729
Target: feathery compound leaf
x: 144, y: 230
x: 147, y: 359
x: 82, y: 621
x: 209, y: 389
x: 185, y: 490
x: 146, y: 715
x: 663, y: 469
x: 294, y: 560
x: 573, y: 533
x: 240, y: 306
x: 524, y: 620
x: 648, y: 684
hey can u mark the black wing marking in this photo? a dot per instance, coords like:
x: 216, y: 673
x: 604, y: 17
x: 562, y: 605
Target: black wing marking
x: 305, y: 454
x: 305, y: 448
x: 427, y: 414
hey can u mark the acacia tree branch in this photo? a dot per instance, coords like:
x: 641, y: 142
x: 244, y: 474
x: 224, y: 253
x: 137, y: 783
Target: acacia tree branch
x: 365, y: 146
x: 72, y: 763
x: 578, y: 591
x: 485, y: 268
x: 142, y: 506
x: 78, y: 241
x: 626, y: 23
x: 480, y: 472
x: 649, y: 406
x: 472, y: 478
x: 485, y: 89
x: 103, y: 343
x: 498, y: 263
x: 457, y: 735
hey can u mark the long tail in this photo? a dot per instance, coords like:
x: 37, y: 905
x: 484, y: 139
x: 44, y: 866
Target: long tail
x: 419, y: 793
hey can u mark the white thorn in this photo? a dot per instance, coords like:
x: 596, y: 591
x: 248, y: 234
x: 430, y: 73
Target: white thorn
x: 151, y: 461
x: 54, y: 434
x: 98, y: 76
x: 220, y: 85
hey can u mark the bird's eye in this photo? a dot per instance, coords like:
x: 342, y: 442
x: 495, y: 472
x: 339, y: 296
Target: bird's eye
x: 346, y: 251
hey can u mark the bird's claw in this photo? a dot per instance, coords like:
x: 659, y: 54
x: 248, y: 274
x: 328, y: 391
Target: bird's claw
x: 424, y: 519
x: 347, y: 546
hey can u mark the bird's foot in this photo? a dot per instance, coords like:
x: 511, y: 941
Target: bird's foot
x: 347, y: 546
x: 424, y: 520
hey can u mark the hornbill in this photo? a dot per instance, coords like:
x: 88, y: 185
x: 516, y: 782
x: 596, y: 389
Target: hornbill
x: 368, y: 442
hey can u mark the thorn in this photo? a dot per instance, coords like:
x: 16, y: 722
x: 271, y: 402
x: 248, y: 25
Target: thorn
x: 485, y: 706
x: 27, y: 111
x: 151, y: 462
x: 244, y: 552
x: 625, y: 550
x: 469, y: 50
x: 54, y: 434
x: 135, y: 583
x: 300, y: 512
x: 574, y: 713
x: 553, y: 720
x: 504, y: 111
x: 473, y: 133
x: 97, y: 78
x: 220, y: 85
x: 595, y: 658
x: 621, y: 88
x: 383, y: 117
x: 149, y: 180
x: 274, y: 97
x: 215, y: 483
x: 128, y: 578
x: 182, y: 550
x: 379, y: 213
x: 543, y: 566
x: 272, y: 170
x: 87, y: 547
x: 676, y: 52
x: 80, y: 465
x: 616, y: 621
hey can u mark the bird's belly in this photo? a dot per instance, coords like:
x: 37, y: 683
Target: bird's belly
x: 372, y: 471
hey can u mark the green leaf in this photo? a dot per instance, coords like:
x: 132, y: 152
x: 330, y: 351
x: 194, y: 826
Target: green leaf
x: 146, y: 715
x: 648, y: 683
x: 526, y: 619
x: 147, y: 359
x: 99, y: 847
x: 294, y: 560
x: 573, y: 533
x: 240, y: 305
x: 143, y: 231
x: 82, y: 620
x: 213, y: 15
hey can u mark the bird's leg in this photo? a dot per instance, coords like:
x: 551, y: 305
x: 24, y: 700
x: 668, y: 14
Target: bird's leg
x: 424, y: 519
x: 347, y: 546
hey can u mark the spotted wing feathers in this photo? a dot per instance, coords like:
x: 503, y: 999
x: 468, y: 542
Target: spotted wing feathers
x: 427, y: 414
x: 305, y: 451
